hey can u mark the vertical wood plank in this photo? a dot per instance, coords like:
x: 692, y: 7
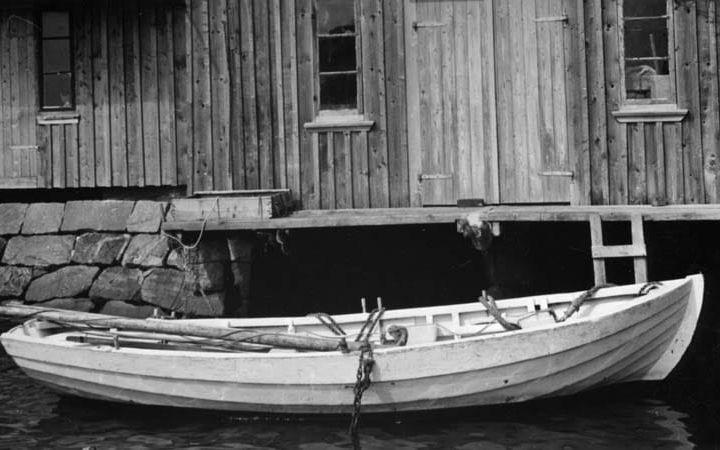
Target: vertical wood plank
x: 83, y: 93
x: 597, y: 114
x: 559, y: 64
x: 490, y: 122
x: 686, y: 64
x: 72, y: 163
x: 4, y: 91
x: 504, y: 96
x: 277, y: 92
x: 290, y: 97
x: 182, y: 47
x: 660, y: 177
x: 651, y: 162
x: 166, y: 97
x: 412, y: 95
x: 149, y: 89
x: 20, y: 99
x: 33, y: 77
x: 637, y: 193
x: 361, y: 188
x: 116, y: 79
x: 57, y: 145
x: 44, y: 141
x: 304, y: 17
x: 518, y: 173
x: 262, y: 83
x: 546, y: 116
x: 201, y: 101
x: 374, y: 99
x: 596, y: 239
x: 448, y: 193
x: 133, y: 98
x: 250, y: 125
x: 577, y: 102
x: 237, y: 135
x: 533, y: 152
x: 343, y: 170
x: 220, y: 96
x: 709, y: 96
x: 395, y: 103
x: 616, y: 131
x: 638, y: 238
x: 674, y: 164
x: 463, y: 162
x: 326, y: 151
x: 101, y: 95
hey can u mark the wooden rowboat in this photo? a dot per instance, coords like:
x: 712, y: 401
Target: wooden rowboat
x: 455, y: 355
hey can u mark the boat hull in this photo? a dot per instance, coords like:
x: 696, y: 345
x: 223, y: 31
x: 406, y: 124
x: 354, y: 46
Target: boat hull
x: 642, y: 342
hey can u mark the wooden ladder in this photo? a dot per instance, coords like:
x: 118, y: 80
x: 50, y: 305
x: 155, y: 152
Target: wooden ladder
x: 601, y: 252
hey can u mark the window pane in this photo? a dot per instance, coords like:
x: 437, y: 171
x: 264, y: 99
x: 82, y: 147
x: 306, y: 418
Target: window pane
x: 646, y: 38
x: 55, y: 24
x: 644, y: 8
x: 338, y: 91
x: 335, y: 16
x: 57, y: 91
x: 337, y: 53
x: 56, y: 55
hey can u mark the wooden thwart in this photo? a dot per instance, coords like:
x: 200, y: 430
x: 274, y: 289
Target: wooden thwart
x: 601, y: 252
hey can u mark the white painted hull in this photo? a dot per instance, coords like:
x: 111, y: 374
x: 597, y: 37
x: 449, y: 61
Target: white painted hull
x: 641, y: 340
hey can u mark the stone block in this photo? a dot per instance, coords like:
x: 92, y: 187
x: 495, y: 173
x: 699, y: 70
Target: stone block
x: 146, y: 217
x: 125, y: 309
x: 97, y: 215
x: 14, y: 280
x: 208, y: 305
x: 173, y: 290
x: 99, y: 248
x: 146, y: 250
x: 117, y: 283
x: 43, y: 218
x: 71, y: 281
x: 41, y: 251
x: 166, y: 288
x: 11, y: 217
x: 72, y: 304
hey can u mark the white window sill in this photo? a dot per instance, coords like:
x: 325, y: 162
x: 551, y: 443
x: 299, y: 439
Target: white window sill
x: 341, y: 122
x: 650, y: 113
x: 58, y: 118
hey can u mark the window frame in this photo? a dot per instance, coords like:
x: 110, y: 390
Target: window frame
x: 42, y: 73
x: 343, y: 114
x: 673, y: 99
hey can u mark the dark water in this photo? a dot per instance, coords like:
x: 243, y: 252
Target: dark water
x: 680, y: 413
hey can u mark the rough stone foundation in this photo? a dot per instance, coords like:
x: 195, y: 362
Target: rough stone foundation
x: 110, y: 257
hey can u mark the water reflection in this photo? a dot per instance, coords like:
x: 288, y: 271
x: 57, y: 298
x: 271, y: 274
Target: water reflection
x: 634, y: 416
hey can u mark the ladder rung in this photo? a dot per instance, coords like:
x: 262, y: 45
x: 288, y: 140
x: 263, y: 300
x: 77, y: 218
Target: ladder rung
x: 618, y: 251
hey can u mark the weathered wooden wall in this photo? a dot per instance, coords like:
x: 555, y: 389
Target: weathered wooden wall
x: 18, y: 100
x: 656, y: 162
x: 252, y: 72
x: 132, y: 93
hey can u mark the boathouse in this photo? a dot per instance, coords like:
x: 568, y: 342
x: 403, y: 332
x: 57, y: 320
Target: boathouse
x: 220, y: 118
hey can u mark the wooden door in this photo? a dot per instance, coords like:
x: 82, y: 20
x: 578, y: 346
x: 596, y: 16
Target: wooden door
x: 501, y: 104
x: 451, y: 100
x: 19, y: 167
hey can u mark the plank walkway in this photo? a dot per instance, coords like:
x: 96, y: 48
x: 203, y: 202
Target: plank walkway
x: 442, y: 215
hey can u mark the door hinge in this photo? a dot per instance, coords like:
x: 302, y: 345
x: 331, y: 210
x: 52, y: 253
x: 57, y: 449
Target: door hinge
x: 551, y: 19
x: 428, y: 24
x: 434, y: 176
x: 558, y: 173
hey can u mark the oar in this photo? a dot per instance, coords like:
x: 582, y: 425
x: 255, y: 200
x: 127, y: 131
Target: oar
x: 235, y: 335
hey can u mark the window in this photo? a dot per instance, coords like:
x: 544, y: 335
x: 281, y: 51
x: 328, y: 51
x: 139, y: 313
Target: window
x: 57, y: 75
x: 647, y: 60
x: 337, y: 63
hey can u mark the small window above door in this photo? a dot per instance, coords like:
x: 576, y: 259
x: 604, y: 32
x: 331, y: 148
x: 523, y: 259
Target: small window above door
x: 57, y: 85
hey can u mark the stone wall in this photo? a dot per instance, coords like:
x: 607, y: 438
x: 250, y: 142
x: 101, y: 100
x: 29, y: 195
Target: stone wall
x: 111, y: 257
